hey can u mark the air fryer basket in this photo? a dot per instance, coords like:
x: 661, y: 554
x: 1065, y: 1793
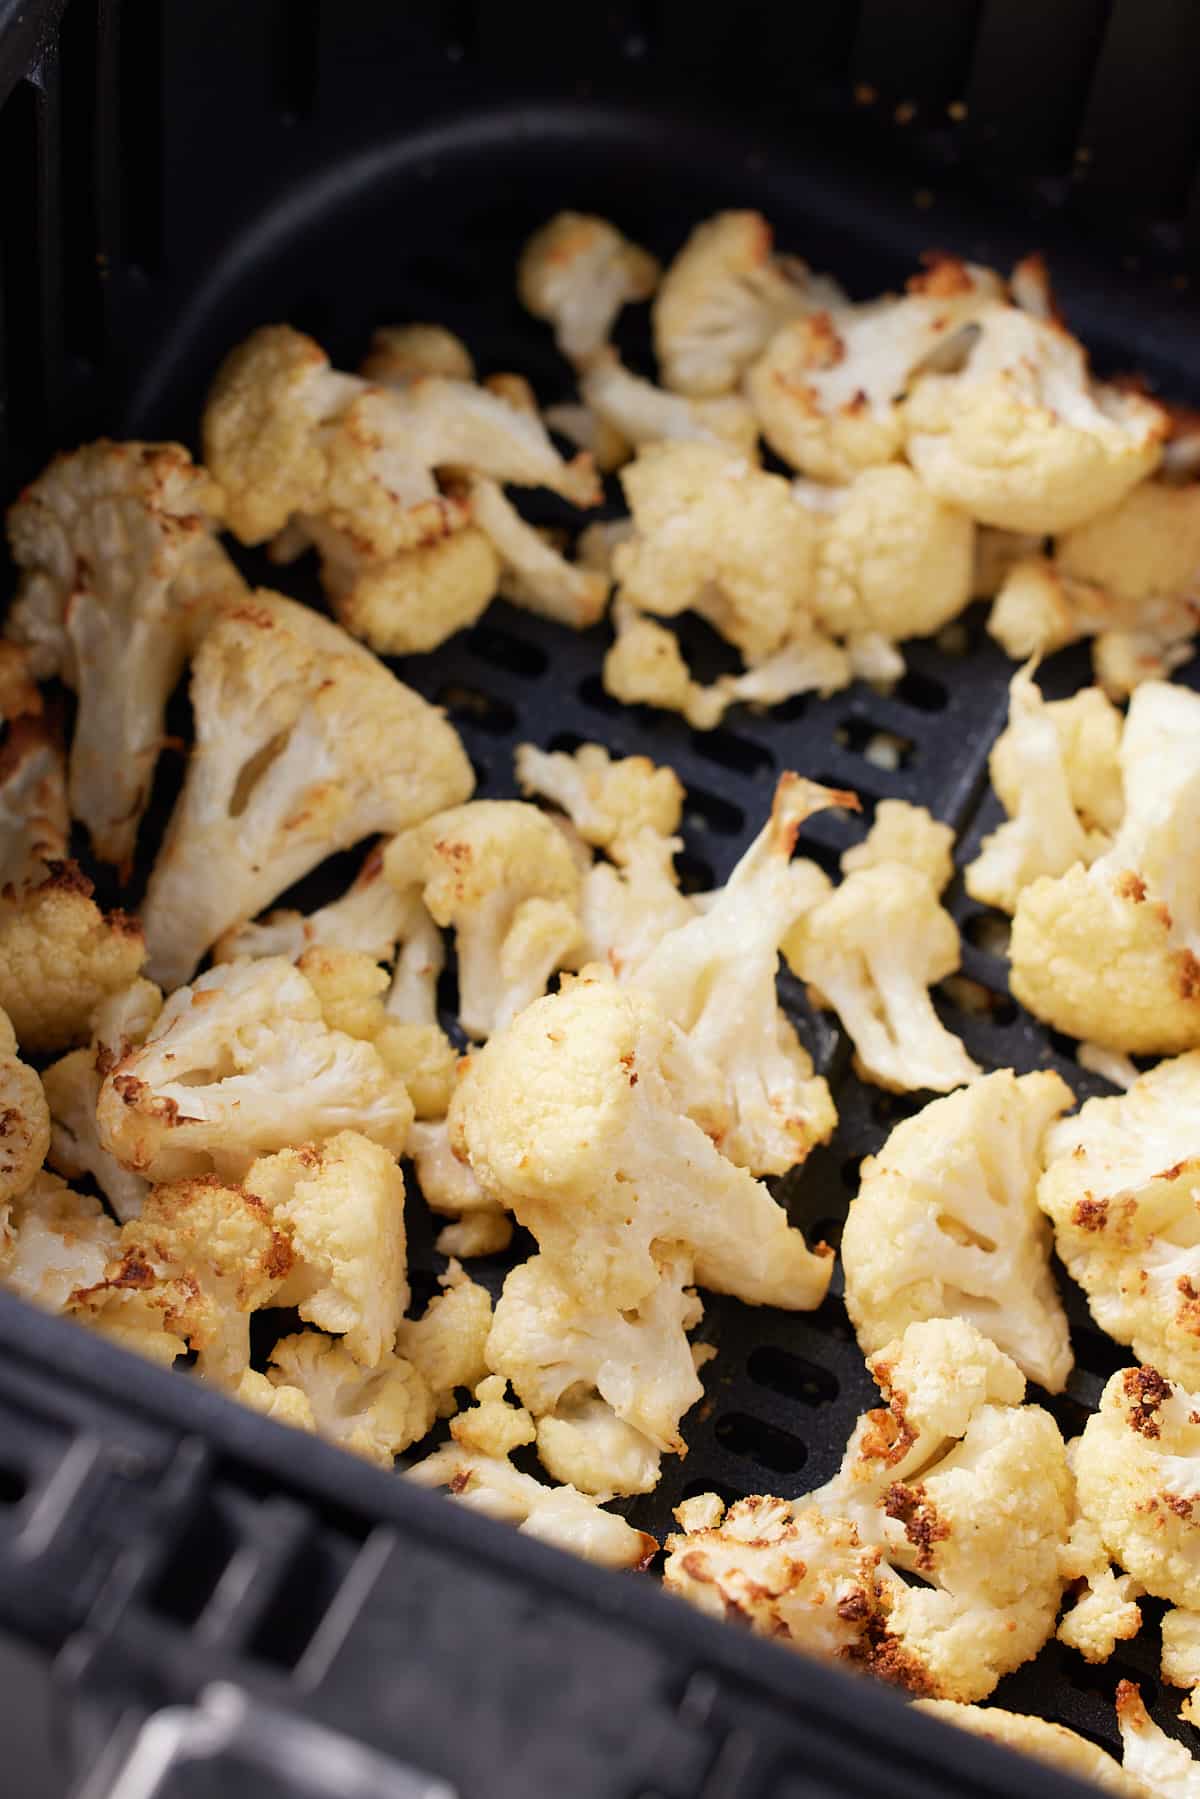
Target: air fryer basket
x: 201, y: 169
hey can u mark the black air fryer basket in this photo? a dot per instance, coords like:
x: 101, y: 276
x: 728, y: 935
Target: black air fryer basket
x: 233, y: 1608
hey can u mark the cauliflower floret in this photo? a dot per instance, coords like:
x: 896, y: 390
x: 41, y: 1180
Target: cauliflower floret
x: 283, y: 1404
x: 609, y: 801
x: 375, y: 1412
x: 577, y: 272
x: 121, y: 574
x: 24, y: 1121
x: 723, y: 297
x: 35, y: 824
x: 1122, y: 1187
x: 642, y: 414
x: 1136, y: 1472
x: 408, y: 604
x: 626, y: 910
x: 715, y: 976
x: 1040, y: 1738
x: 1022, y: 437
x: 1181, y: 1657
x: 72, y: 1089
x: 638, y: 1359
x: 203, y: 1255
x: 1105, y: 1612
x: 477, y: 1469
x: 399, y: 353
x: 1055, y: 769
x: 573, y: 1118
x: 829, y: 386
x: 239, y: 1064
x: 287, y: 435
x: 370, y: 916
x: 584, y: 1444
x: 902, y: 832
x: 1144, y: 549
x: 501, y: 874
x: 1109, y: 952
x: 946, y: 1224
x: 60, y: 956
x: 716, y: 536
x: 996, y: 554
x: 447, y: 1344
x: 870, y: 952
x: 342, y: 1205
x: 587, y: 431
x: 1040, y: 608
x: 54, y: 1242
x: 448, y: 1186
x: 1159, y: 1764
x: 645, y: 667
x: 305, y: 744
x: 809, y: 662
x: 20, y: 697
x: 533, y: 574
x: 892, y: 558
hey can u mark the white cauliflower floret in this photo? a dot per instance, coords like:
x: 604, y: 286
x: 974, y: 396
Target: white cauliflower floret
x: 60, y: 956
x: 1106, y: 1611
x: 829, y: 386
x: 121, y: 575
x: 584, y: 1444
x: 1040, y: 607
x: 715, y: 977
x: 447, y: 1344
x: 638, y: 1359
x: 723, y: 297
x: 1056, y: 771
x: 641, y: 414
x: 809, y: 662
x: 574, y: 1119
x: 448, y: 1186
x: 577, y: 272
x: 202, y: 1255
x: 1022, y: 437
x: 35, y: 823
x: 1180, y: 1664
x: 239, y: 1064
x: 533, y: 574
x: 1040, y: 1738
x: 946, y: 1225
x: 892, y: 558
x: 1145, y: 554
x: 283, y: 1404
x: 1162, y: 1767
x: 476, y: 1468
x: 870, y: 952
x: 375, y: 1412
x: 305, y: 744
x: 1109, y: 952
x: 608, y: 800
x: 399, y: 353
x: 370, y: 916
x: 1121, y: 1186
x: 54, y: 1242
x: 342, y: 1203
x: 716, y: 536
x: 501, y: 874
x: 1137, y: 1474
x: 24, y: 1121
x: 408, y: 604
x: 626, y: 910
x: 587, y: 431
x: 350, y: 988
x: 288, y: 436
x: 72, y: 1088
x: 645, y: 667
x: 902, y: 832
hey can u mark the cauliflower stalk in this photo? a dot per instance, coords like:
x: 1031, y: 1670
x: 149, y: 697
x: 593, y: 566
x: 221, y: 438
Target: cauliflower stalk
x: 35, y: 823
x: 533, y: 575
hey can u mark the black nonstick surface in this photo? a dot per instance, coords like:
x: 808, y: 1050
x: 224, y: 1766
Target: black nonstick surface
x: 427, y: 225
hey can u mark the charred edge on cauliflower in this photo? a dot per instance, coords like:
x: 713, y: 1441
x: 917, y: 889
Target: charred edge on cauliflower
x: 1146, y: 1391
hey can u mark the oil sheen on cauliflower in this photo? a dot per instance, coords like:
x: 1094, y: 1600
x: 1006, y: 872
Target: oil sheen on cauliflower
x: 946, y: 1224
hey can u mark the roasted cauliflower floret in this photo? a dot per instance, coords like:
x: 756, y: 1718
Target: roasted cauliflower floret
x: 1022, y: 437
x: 946, y: 1225
x: 480, y: 1226
x: 870, y: 952
x: 574, y: 1118
x: 715, y: 976
x: 891, y: 558
x: 626, y: 910
x: 402, y: 353
x: 305, y: 744
x: 1135, y: 1472
x: 477, y: 1469
x: 548, y: 1345
x: 53, y: 1241
x: 240, y: 1064
x: 1121, y: 1186
x: 636, y: 412
x: 577, y: 273
x: 72, y: 1088
x: 716, y: 536
x: 609, y: 800
x: 376, y: 1412
x: 356, y: 996
x: 902, y: 832
x: 723, y: 297
x: 1105, y: 1611
x: 1056, y: 771
x: 645, y: 667
x: 829, y: 386
x: 447, y: 1344
x: 342, y: 1205
x: 1109, y: 953
x: 533, y: 574
x: 408, y: 604
x: 60, y: 956
x: 503, y: 876
x: 1160, y: 1765
x: 24, y: 1121
x: 1044, y: 1740
x: 35, y: 823
x: 121, y: 575
x: 370, y: 916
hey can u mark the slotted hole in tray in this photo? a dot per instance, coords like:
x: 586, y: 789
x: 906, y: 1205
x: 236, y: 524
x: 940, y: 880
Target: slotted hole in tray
x: 198, y: 1559
x: 793, y: 1375
x: 472, y: 705
x: 765, y: 1444
x: 922, y: 691
x: 729, y: 750
x: 295, y: 1612
x: 712, y: 813
x: 880, y: 747
x: 504, y: 649
x: 591, y: 692
x: 13, y: 1485
x: 988, y: 931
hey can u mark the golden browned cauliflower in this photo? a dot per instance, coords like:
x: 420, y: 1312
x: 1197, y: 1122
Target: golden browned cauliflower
x: 35, y: 824
x: 376, y: 1412
x: 408, y: 604
x: 399, y: 353
x: 60, y: 956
